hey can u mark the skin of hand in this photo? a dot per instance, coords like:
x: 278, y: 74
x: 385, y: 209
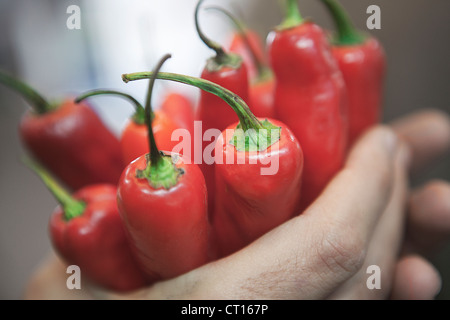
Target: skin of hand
x: 366, y: 216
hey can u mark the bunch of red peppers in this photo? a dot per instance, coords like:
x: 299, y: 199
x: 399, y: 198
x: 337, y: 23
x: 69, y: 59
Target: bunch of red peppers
x: 276, y: 124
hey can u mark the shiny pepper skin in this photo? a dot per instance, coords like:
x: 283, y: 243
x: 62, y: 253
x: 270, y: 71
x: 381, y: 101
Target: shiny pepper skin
x: 216, y: 114
x: 249, y: 204
x: 168, y: 229
x: 74, y: 144
x: 363, y: 68
x: 239, y: 47
x: 262, y: 98
x: 261, y: 87
x: 180, y: 109
x: 134, y: 143
x: 96, y: 241
x: 310, y: 98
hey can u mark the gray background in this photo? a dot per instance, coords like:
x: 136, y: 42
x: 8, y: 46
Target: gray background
x: 35, y: 45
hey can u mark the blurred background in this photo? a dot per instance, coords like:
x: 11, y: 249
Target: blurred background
x: 126, y: 36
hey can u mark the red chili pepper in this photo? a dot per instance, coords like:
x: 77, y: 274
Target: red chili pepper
x: 248, y: 45
x: 87, y: 231
x: 179, y: 108
x: 134, y: 137
x: 228, y: 71
x: 310, y: 98
x: 261, y: 98
x: 69, y: 139
x: 163, y: 203
x: 362, y: 62
x: 249, y: 200
x: 249, y: 204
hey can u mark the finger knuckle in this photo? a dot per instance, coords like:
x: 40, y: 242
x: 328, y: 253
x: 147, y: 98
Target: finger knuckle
x: 342, y: 251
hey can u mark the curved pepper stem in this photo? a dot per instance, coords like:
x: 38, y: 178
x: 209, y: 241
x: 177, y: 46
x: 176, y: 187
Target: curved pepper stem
x: 160, y: 170
x: 155, y: 156
x: 72, y: 208
x: 208, y: 42
x: 347, y: 33
x: 222, y: 58
x: 263, y: 70
x: 39, y: 104
x: 248, y: 122
x: 139, y: 115
x: 246, y: 117
x: 293, y: 17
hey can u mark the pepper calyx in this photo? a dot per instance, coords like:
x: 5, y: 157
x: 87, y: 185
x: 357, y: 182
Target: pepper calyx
x: 293, y: 17
x: 217, y: 63
x: 252, y: 140
x: 163, y: 174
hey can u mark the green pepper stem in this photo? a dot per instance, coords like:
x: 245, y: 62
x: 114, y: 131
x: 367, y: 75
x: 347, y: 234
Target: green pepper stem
x: 240, y: 27
x: 246, y: 117
x: 220, y: 53
x: 347, y: 33
x: 72, y: 208
x: 160, y: 171
x: 293, y: 17
x: 39, y: 104
x: 155, y: 156
x: 139, y: 115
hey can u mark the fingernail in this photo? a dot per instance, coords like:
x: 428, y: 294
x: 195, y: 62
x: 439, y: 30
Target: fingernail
x: 390, y: 140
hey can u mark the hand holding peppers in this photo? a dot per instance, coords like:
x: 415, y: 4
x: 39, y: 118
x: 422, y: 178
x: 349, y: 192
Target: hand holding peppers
x: 300, y: 260
x: 162, y: 198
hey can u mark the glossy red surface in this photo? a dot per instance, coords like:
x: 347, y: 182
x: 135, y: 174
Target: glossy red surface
x: 310, y: 98
x: 168, y: 229
x: 74, y: 144
x: 217, y: 114
x: 249, y: 204
x: 134, y: 138
x: 96, y: 241
x: 363, y: 68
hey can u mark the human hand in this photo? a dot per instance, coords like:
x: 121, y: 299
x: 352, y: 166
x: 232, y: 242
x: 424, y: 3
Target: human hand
x: 428, y: 224
x: 358, y: 221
